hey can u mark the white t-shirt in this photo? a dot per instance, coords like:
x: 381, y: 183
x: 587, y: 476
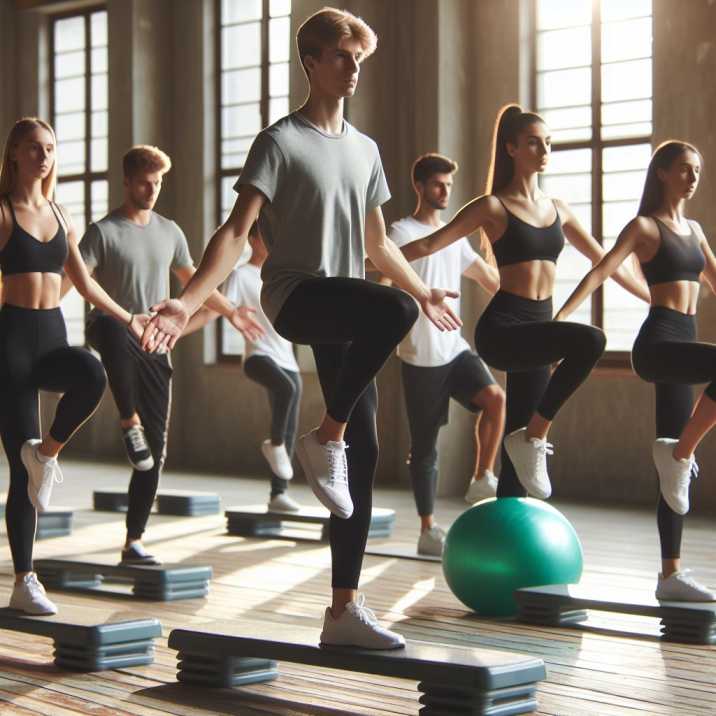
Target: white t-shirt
x: 243, y: 287
x: 426, y: 345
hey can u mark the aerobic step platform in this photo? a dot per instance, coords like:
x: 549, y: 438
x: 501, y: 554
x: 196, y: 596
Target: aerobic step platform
x: 452, y: 679
x: 258, y: 521
x: 90, y: 639
x: 182, y: 503
x: 566, y: 605
x: 164, y: 583
x: 55, y: 522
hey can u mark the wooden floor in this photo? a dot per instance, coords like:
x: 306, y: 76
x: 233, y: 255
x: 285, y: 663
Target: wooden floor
x: 602, y: 671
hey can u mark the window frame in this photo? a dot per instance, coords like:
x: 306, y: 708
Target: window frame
x: 612, y: 359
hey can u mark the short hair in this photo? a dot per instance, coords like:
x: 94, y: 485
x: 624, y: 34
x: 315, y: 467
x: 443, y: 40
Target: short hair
x: 326, y: 27
x: 428, y: 164
x: 145, y: 158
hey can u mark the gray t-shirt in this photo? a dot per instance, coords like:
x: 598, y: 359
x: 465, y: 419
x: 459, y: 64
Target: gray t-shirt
x: 319, y: 188
x: 132, y: 262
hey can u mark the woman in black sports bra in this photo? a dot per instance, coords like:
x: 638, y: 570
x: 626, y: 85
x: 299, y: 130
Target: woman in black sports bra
x: 525, y: 231
x: 37, y: 244
x: 674, y: 255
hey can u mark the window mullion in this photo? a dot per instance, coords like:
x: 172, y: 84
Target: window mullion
x: 597, y: 188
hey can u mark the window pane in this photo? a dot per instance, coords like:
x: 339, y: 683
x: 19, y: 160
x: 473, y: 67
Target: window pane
x: 278, y: 107
x: 69, y: 34
x: 70, y: 95
x: 234, y: 151
x: 240, y: 10
x: 71, y: 194
x: 633, y: 156
x: 558, y: 13
x: 279, y: 7
x: 624, y: 9
x: 228, y: 196
x: 99, y: 124
x: 99, y: 155
x: 626, y: 80
x: 100, y: 199
x: 564, y: 88
x: 98, y: 29
x: 241, y: 46
x: 564, y: 48
x: 73, y: 310
x: 69, y: 64
x: 279, y: 39
x: 99, y: 92
x: 99, y: 60
x: 70, y: 157
x: 626, y: 40
x: 244, y: 121
x: 278, y: 80
x: 241, y: 86
x: 622, y: 131
x: 70, y: 126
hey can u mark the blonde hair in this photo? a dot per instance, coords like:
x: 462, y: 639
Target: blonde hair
x: 326, y: 27
x: 8, y: 170
x: 145, y: 158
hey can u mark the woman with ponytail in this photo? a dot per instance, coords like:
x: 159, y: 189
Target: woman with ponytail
x: 674, y: 256
x: 38, y: 244
x: 523, y: 233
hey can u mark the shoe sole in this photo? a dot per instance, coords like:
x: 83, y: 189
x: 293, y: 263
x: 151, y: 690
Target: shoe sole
x: 313, y: 484
x: 143, y: 466
x: 274, y: 471
x: 530, y: 491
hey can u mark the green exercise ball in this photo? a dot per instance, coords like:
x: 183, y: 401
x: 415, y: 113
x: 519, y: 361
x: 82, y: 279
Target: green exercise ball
x: 500, y: 545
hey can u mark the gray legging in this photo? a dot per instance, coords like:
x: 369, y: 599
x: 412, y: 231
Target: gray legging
x: 283, y: 388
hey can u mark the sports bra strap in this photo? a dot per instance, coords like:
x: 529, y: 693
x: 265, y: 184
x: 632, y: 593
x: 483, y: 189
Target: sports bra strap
x: 58, y: 215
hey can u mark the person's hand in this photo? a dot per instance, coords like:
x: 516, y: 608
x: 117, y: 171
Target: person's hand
x: 165, y: 326
x: 242, y: 319
x: 138, y: 324
x: 438, y: 311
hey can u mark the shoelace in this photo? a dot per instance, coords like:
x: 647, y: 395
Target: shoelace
x: 337, y: 464
x: 543, y: 447
x: 693, y: 468
x: 365, y: 615
x: 136, y: 438
x: 34, y: 586
x: 54, y: 466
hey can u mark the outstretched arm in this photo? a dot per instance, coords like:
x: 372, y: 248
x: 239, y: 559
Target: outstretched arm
x: 481, y: 272
x: 388, y: 259
x: 589, y: 247
x: 624, y: 246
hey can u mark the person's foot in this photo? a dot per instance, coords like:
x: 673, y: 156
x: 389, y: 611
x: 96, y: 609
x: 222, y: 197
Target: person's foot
x: 432, y: 541
x: 674, y: 474
x: 326, y: 470
x: 283, y: 503
x: 29, y: 596
x: 138, y: 452
x: 42, y: 473
x: 529, y: 457
x: 682, y: 587
x: 480, y: 488
x: 278, y: 459
x: 135, y: 555
x: 358, y: 627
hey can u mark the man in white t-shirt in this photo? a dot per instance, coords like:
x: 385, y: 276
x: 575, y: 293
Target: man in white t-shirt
x: 437, y: 366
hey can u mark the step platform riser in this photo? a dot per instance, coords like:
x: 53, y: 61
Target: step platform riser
x: 438, y: 700
x: 114, y: 656
x: 224, y: 672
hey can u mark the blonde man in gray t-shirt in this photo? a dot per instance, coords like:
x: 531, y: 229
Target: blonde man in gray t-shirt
x: 317, y: 185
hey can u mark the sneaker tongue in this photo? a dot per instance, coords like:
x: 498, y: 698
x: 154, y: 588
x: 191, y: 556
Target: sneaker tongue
x: 336, y: 445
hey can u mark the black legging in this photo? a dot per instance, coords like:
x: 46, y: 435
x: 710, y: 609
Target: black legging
x: 283, y: 388
x: 140, y: 382
x: 667, y: 354
x: 517, y: 335
x: 34, y: 356
x: 352, y: 326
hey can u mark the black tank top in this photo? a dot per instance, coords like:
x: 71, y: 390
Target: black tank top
x: 678, y: 258
x: 23, y: 253
x: 524, y: 242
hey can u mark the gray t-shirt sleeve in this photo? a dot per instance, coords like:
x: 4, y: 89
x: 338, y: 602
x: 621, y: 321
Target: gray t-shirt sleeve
x: 265, y: 166
x: 92, y: 248
x: 181, y: 257
x: 378, y: 192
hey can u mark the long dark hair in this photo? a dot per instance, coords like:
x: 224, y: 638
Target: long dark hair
x: 663, y: 157
x: 511, y: 121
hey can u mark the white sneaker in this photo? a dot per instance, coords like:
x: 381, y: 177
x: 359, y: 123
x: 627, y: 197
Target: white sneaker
x: 358, y: 627
x: 432, y: 541
x: 682, y: 587
x: 283, y: 503
x: 29, y: 596
x: 529, y: 457
x: 480, y: 488
x: 674, y: 475
x: 326, y: 470
x: 278, y: 459
x: 42, y: 474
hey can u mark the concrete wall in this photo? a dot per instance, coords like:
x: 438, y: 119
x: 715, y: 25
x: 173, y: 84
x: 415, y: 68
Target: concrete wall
x: 441, y: 71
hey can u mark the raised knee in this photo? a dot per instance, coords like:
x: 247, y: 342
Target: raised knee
x: 405, y: 311
x: 491, y: 399
x: 95, y: 378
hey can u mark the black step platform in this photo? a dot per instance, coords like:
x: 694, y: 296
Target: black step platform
x: 183, y: 503
x: 258, y: 521
x: 163, y: 583
x: 452, y: 679
x: 566, y: 605
x: 55, y: 522
x: 90, y: 639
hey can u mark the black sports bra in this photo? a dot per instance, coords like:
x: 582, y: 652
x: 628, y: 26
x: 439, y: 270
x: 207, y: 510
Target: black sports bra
x: 524, y: 242
x: 23, y: 253
x: 678, y: 258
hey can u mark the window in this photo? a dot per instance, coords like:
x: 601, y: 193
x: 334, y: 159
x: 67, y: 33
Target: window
x: 253, y: 91
x: 79, y: 91
x: 593, y: 86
